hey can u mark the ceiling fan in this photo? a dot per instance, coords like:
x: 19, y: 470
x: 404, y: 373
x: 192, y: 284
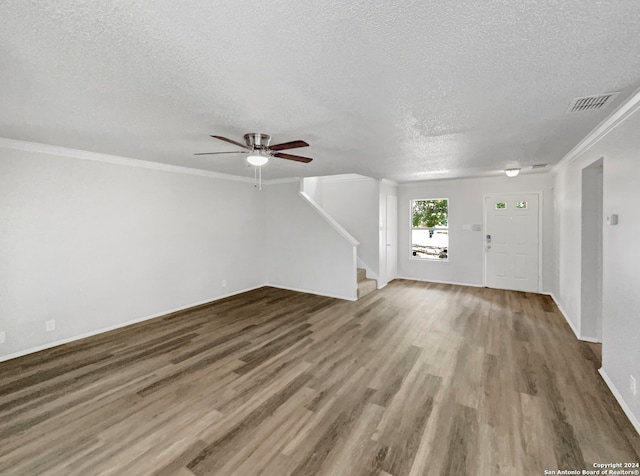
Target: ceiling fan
x: 259, y: 151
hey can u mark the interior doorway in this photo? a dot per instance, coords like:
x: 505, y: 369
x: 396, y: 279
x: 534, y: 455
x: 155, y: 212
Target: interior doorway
x: 591, y: 252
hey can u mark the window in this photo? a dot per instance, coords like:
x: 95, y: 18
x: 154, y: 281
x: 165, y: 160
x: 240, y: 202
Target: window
x: 500, y: 205
x: 429, y: 229
x: 521, y: 204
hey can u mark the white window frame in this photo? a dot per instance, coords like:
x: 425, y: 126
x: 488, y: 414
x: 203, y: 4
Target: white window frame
x: 435, y: 228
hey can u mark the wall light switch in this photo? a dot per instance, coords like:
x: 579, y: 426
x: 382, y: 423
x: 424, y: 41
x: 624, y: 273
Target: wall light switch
x: 50, y: 325
x: 612, y: 219
x: 477, y: 227
x: 3, y: 337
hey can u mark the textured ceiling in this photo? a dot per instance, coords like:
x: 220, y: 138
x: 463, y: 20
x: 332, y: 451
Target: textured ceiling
x: 404, y: 90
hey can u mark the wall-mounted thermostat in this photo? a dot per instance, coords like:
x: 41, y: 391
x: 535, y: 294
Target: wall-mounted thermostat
x: 612, y: 219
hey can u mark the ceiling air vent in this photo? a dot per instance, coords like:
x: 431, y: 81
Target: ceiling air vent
x: 539, y: 166
x: 591, y: 103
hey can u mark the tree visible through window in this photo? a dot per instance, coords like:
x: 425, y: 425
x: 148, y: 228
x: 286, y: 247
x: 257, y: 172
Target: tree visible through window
x: 429, y: 229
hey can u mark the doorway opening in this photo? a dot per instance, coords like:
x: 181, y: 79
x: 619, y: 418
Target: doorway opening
x: 591, y: 252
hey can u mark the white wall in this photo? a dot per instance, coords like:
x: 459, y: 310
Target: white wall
x: 303, y: 251
x: 621, y: 254
x: 466, y: 251
x: 353, y: 203
x: 312, y: 186
x: 94, y: 245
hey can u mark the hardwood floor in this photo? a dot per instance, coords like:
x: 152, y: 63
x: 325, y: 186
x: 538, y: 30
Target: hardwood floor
x: 417, y: 378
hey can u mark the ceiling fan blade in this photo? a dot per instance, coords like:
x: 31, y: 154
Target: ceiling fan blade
x: 231, y: 142
x: 289, y: 145
x: 297, y: 158
x: 213, y: 153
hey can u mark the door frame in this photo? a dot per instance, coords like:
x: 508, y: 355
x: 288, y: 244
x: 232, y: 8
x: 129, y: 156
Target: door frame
x: 591, y: 273
x: 484, y: 230
x: 394, y: 233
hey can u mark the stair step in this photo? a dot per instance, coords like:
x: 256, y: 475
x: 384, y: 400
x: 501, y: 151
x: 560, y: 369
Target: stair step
x: 362, y: 274
x: 366, y: 286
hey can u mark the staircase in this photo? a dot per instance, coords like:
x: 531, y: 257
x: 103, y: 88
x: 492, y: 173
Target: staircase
x: 365, y: 285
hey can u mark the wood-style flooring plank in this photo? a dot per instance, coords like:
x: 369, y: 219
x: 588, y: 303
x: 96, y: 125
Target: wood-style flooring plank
x: 414, y: 379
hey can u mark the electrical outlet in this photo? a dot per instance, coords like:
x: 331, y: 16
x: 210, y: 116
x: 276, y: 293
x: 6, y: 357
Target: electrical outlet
x: 3, y: 337
x: 224, y: 283
x: 50, y: 325
x: 632, y: 385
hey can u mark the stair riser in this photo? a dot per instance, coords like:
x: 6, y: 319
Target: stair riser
x: 367, y: 286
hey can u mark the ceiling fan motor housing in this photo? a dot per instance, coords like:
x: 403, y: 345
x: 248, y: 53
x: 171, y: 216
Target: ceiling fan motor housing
x: 258, y: 141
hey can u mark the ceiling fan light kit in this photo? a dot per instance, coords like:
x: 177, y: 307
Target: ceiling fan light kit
x: 257, y: 160
x: 512, y: 172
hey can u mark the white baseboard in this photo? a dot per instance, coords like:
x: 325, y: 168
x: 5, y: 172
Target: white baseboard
x: 589, y: 339
x: 565, y: 315
x: 119, y: 325
x: 625, y: 408
x: 346, y: 298
x: 570, y: 322
x: 440, y: 282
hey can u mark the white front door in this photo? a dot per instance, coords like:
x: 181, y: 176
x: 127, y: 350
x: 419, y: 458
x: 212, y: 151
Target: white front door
x: 511, y: 242
x: 392, y: 237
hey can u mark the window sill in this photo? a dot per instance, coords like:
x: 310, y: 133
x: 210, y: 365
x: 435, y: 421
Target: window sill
x: 427, y: 260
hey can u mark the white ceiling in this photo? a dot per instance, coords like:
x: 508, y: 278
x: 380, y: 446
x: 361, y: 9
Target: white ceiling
x: 405, y: 90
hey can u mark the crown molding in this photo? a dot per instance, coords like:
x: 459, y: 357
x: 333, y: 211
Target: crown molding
x: 389, y: 182
x: 36, y: 147
x: 344, y: 178
x: 616, y: 118
x: 281, y: 180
